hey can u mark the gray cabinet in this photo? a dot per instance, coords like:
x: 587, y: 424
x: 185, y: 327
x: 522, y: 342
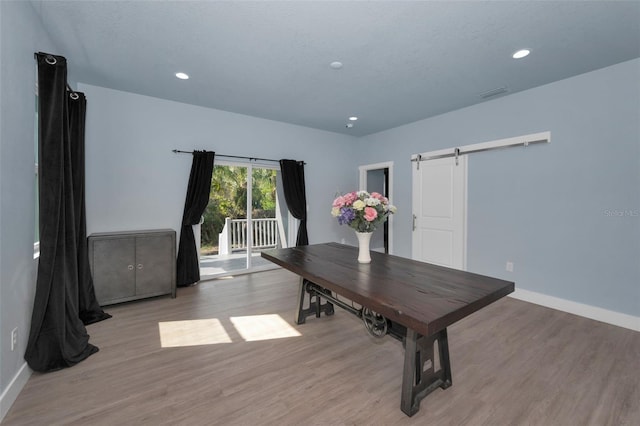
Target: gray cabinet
x: 133, y: 265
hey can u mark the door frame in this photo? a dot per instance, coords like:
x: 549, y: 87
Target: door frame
x: 363, y: 187
x: 465, y: 184
x: 249, y: 267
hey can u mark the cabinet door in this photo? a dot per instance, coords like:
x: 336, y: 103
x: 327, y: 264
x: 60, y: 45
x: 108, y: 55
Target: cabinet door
x: 154, y: 264
x: 114, y: 275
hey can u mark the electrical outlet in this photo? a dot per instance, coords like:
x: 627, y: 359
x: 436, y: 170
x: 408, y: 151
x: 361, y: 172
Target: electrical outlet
x: 509, y: 267
x: 14, y: 339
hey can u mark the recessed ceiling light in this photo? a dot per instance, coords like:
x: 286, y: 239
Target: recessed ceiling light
x: 182, y: 76
x: 336, y: 65
x: 521, y: 53
x: 354, y: 118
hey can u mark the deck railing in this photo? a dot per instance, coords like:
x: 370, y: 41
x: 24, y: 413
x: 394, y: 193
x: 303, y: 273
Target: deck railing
x: 234, y: 234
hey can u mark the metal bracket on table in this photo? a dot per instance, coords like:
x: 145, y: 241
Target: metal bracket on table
x: 420, y: 377
x: 316, y: 307
x: 376, y: 324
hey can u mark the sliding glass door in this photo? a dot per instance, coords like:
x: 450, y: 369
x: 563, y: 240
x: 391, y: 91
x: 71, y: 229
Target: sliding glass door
x: 245, y: 215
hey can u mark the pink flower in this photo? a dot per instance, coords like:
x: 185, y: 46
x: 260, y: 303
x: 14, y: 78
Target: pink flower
x: 350, y: 198
x: 338, y: 202
x: 380, y: 197
x: 370, y: 214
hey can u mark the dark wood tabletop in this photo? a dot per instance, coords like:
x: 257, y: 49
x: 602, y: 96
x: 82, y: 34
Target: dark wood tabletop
x: 424, y: 297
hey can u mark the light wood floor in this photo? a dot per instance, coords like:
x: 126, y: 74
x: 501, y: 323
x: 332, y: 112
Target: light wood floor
x: 514, y: 363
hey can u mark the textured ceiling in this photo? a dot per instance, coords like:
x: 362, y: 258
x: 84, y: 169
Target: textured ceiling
x: 403, y: 61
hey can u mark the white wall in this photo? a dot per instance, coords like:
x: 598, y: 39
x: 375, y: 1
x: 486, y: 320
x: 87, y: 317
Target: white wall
x: 134, y: 181
x: 551, y: 209
x: 20, y: 36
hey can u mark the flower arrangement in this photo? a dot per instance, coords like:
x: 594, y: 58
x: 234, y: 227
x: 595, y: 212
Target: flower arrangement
x: 362, y: 211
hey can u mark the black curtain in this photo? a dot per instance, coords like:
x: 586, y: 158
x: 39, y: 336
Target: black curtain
x: 295, y: 196
x: 88, y: 306
x: 188, y: 265
x: 64, y: 290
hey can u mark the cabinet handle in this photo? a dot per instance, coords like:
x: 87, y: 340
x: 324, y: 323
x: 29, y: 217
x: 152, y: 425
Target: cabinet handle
x: 139, y: 265
x: 130, y: 267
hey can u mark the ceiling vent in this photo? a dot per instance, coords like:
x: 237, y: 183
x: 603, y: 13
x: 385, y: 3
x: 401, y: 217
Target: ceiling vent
x: 494, y: 92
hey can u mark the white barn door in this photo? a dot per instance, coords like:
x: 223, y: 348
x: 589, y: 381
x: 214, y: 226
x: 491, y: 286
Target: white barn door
x: 439, y: 212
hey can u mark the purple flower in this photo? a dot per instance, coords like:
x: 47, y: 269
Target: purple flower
x: 346, y: 216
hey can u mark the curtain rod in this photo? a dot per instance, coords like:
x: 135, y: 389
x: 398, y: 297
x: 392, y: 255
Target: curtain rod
x: 177, y: 151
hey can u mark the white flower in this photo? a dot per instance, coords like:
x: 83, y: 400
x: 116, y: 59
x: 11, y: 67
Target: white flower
x: 335, y: 212
x: 371, y: 201
x: 358, y: 205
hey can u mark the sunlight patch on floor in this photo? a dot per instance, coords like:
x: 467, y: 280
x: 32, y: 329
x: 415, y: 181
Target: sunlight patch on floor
x: 263, y: 327
x: 210, y: 331
x: 192, y: 333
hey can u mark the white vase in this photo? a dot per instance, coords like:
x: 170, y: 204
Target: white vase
x: 363, y: 247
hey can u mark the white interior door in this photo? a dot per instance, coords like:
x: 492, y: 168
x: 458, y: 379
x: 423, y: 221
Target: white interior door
x: 439, y: 209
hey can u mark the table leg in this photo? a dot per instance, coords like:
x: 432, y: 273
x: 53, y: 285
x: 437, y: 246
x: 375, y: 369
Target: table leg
x: 300, y: 314
x: 316, y: 307
x: 419, y: 377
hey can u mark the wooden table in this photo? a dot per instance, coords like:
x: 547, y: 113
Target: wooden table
x: 410, y: 300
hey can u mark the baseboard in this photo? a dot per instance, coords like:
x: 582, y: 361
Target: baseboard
x: 12, y: 391
x: 593, y: 312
